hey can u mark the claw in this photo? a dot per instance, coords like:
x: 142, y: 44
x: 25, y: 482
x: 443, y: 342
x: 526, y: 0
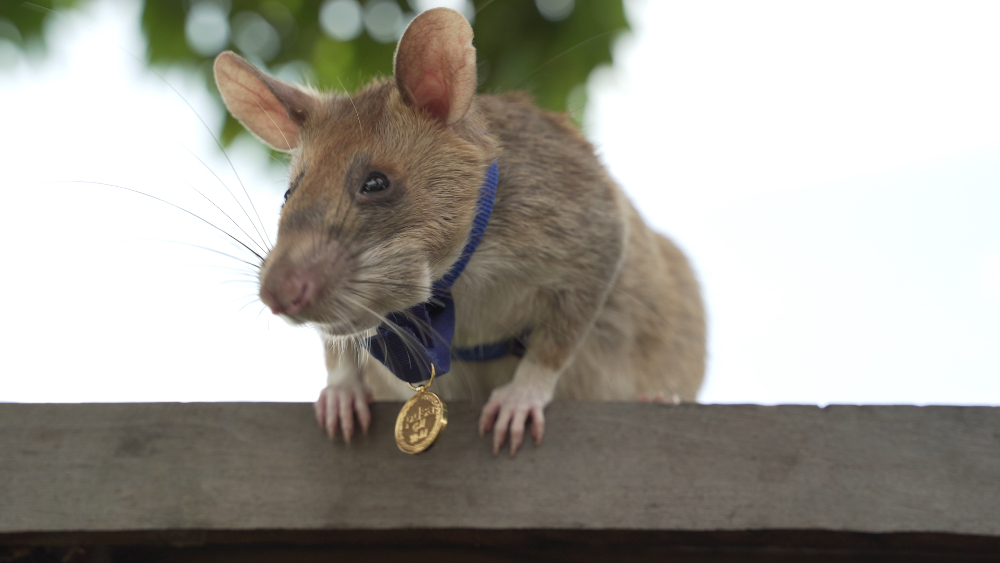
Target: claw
x: 319, y: 407
x: 489, y: 415
x: 508, y: 412
x: 500, y: 430
x: 337, y: 406
x: 537, y: 424
x: 347, y: 415
x: 361, y: 409
x: 517, y: 430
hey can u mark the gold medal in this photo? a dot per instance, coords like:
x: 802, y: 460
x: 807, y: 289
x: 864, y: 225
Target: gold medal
x: 421, y: 420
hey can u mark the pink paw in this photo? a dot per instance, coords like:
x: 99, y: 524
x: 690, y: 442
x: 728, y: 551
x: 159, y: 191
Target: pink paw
x: 509, y: 409
x: 337, y: 405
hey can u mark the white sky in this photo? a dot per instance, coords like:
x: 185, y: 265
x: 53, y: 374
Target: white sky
x: 832, y: 169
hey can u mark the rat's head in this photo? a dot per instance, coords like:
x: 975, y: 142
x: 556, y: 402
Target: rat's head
x: 383, y: 184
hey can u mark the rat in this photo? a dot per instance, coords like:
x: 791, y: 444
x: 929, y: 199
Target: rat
x: 384, y: 190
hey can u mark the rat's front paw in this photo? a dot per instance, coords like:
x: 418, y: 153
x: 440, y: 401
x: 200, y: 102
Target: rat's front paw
x: 338, y: 404
x: 509, y: 407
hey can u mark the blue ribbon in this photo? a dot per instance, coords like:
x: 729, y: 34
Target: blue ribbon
x: 432, y: 324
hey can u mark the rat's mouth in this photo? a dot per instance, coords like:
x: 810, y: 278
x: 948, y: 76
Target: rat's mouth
x: 347, y: 328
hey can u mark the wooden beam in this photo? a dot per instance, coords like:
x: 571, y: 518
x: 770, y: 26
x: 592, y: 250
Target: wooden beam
x: 236, y: 473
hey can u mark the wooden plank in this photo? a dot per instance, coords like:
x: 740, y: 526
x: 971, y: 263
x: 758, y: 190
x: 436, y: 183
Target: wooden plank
x: 233, y: 467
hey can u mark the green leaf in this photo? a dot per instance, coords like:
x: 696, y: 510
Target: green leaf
x: 517, y: 48
x: 23, y: 23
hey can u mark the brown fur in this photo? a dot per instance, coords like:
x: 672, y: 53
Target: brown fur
x: 613, y: 308
x: 551, y: 251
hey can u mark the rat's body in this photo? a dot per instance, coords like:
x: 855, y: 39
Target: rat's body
x: 558, y: 230
x: 384, y: 191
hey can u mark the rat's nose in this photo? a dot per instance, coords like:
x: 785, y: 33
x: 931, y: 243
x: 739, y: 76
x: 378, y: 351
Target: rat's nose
x: 289, y: 292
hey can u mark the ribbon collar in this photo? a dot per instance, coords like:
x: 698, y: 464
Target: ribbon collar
x: 429, y: 327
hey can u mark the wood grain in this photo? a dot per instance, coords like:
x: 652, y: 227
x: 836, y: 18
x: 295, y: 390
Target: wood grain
x: 235, y: 467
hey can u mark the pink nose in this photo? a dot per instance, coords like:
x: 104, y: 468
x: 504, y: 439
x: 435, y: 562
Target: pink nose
x: 289, y: 292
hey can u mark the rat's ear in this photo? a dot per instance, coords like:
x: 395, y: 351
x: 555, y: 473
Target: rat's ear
x: 435, y: 64
x: 271, y: 109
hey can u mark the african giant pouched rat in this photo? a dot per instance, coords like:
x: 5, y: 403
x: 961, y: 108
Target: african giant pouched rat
x: 384, y: 188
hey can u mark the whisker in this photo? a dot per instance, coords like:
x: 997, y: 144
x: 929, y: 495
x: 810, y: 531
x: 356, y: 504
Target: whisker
x: 161, y: 200
x: 233, y: 221
x: 360, y: 127
x: 409, y: 341
x: 218, y: 143
x: 423, y: 327
x: 483, y: 7
x: 221, y: 253
x: 252, y: 282
x: 247, y: 304
x: 195, y: 112
x: 524, y: 79
x: 207, y: 167
x: 426, y: 328
x: 271, y: 119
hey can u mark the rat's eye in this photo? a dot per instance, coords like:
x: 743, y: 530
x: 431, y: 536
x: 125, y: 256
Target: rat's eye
x: 374, y: 183
x: 293, y: 185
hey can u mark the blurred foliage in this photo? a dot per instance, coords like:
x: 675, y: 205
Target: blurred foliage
x: 517, y: 47
x: 22, y: 22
